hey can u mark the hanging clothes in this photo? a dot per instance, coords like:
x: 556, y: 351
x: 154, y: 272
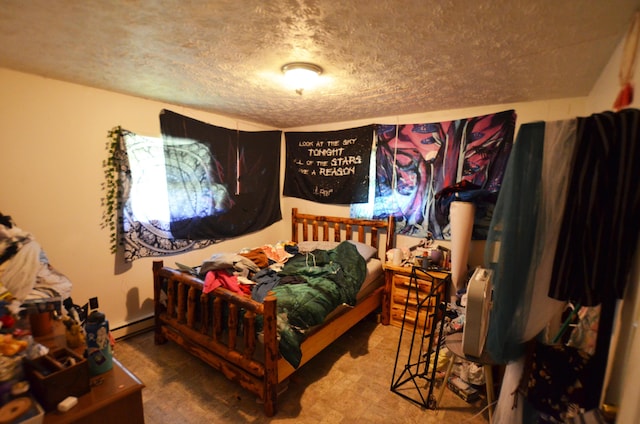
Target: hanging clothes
x: 521, y: 248
x: 600, y: 225
x: 565, y: 228
x: 511, y: 240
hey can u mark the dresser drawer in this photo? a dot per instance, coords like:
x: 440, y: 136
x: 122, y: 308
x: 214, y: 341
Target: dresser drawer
x: 400, y: 297
x: 398, y: 313
x: 406, y: 309
x: 403, y: 282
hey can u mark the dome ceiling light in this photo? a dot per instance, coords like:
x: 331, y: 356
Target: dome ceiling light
x: 301, y: 75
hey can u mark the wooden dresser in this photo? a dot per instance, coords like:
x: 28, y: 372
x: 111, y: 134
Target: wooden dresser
x: 115, y: 396
x: 397, y: 280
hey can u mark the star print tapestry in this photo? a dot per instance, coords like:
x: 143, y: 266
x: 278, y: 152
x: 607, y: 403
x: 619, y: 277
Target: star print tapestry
x: 329, y: 167
x: 222, y: 183
x: 422, y: 168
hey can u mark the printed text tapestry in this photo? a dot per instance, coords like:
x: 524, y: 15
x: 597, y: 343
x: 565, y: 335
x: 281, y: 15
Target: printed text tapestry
x: 329, y: 167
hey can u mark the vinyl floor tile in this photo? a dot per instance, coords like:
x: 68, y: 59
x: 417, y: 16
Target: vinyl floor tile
x: 348, y: 382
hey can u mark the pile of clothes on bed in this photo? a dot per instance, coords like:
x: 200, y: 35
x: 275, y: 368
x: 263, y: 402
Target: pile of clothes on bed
x: 309, y: 284
x: 26, y: 276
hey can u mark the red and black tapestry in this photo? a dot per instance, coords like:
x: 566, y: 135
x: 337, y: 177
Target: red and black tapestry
x: 421, y: 168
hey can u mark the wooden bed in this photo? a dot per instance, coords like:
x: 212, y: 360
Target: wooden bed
x: 207, y: 326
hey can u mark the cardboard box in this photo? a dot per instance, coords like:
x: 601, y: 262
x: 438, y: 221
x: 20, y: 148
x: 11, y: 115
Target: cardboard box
x: 57, y: 375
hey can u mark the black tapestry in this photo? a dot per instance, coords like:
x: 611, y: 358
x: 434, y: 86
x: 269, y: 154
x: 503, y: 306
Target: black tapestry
x: 222, y: 183
x: 329, y: 167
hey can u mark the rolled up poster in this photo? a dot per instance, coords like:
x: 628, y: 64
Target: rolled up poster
x: 461, y: 215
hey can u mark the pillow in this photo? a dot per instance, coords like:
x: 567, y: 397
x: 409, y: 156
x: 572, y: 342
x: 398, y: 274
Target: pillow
x: 310, y: 245
x: 366, y: 251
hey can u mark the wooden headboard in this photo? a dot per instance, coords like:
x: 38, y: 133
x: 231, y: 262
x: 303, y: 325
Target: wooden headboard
x: 331, y: 228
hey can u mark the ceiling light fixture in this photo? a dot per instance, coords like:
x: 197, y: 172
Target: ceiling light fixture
x: 301, y: 75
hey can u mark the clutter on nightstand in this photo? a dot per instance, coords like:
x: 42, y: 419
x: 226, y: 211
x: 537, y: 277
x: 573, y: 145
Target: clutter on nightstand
x: 57, y: 375
x: 16, y: 403
x: 73, y: 333
x: 41, y: 313
x: 98, y: 340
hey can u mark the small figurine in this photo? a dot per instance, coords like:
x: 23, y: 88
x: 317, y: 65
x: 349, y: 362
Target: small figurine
x: 74, y: 333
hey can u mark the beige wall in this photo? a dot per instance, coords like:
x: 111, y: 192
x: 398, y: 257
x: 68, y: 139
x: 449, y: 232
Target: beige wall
x: 53, y: 145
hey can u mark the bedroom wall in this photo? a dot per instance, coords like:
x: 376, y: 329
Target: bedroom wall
x: 52, y: 148
x: 53, y: 144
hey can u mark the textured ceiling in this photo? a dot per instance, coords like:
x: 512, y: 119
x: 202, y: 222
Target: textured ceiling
x: 381, y: 58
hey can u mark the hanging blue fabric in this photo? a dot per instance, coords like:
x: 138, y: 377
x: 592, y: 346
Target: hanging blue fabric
x: 510, y: 243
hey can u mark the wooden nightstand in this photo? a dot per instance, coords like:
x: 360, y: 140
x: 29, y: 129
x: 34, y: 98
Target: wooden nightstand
x: 417, y: 299
x: 397, y: 279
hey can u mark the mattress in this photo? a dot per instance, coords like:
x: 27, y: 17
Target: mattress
x: 374, y: 278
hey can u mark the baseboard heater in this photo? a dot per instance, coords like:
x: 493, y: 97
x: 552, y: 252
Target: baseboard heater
x: 133, y: 328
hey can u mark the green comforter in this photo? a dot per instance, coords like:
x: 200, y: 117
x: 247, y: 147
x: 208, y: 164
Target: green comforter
x: 333, y: 277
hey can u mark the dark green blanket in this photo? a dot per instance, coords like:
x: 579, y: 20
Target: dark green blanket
x: 333, y: 277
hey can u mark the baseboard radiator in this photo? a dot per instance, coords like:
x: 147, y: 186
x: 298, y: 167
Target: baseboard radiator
x: 133, y: 328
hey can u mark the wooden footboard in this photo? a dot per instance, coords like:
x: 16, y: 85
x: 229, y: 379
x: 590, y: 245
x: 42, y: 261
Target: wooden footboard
x: 330, y: 331
x: 222, y: 327
x: 219, y: 328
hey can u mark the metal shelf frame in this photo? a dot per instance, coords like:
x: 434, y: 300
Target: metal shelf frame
x: 413, y: 377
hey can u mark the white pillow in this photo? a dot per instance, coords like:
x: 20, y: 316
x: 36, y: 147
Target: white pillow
x: 366, y: 251
x: 310, y: 245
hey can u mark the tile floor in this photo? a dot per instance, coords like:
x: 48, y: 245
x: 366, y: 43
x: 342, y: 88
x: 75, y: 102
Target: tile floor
x: 348, y: 382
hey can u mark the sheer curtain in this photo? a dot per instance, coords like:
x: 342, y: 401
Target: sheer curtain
x: 521, y: 248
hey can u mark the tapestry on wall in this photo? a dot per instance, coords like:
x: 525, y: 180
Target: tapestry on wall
x: 145, y: 228
x: 329, y: 167
x: 222, y: 183
x: 422, y: 168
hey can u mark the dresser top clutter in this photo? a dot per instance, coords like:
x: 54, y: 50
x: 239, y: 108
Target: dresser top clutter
x: 45, y: 377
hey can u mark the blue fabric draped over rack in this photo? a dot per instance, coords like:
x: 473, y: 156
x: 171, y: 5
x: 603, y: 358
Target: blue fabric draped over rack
x: 511, y: 237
